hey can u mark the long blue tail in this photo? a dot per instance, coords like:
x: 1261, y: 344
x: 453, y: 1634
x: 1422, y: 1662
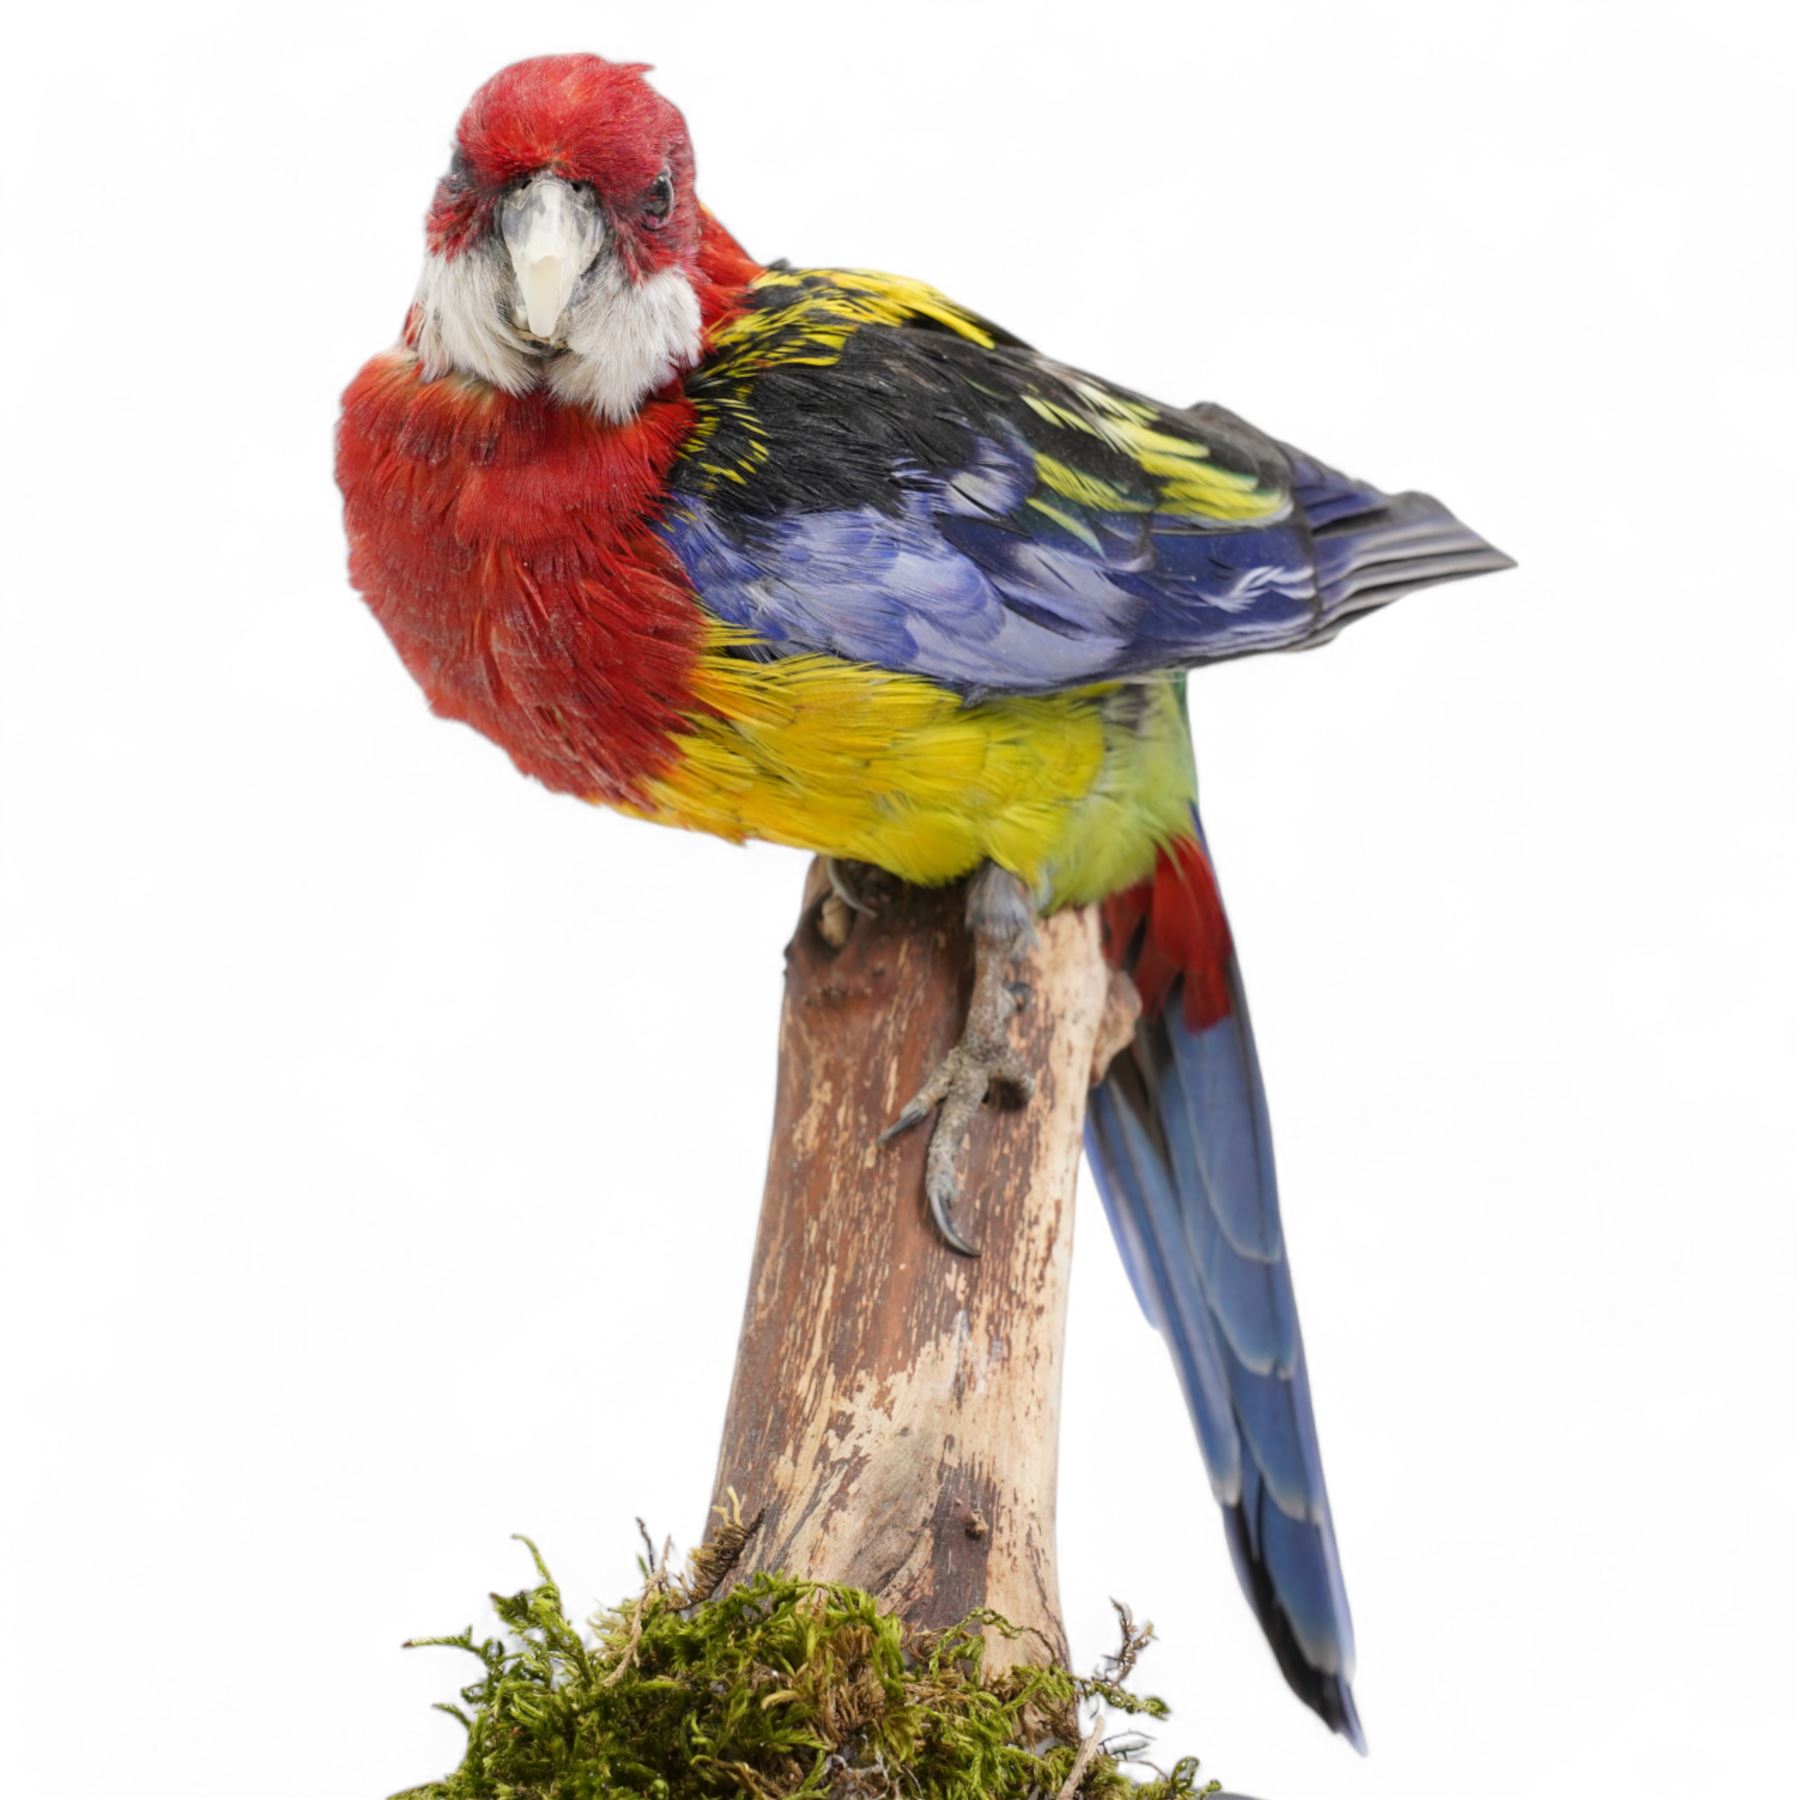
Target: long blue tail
x: 1178, y: 1137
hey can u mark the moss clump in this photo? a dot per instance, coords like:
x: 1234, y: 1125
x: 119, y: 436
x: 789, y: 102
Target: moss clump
x: 777, y: 1687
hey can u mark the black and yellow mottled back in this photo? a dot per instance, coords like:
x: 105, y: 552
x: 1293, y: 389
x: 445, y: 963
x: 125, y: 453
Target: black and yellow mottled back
x: 877, y: 473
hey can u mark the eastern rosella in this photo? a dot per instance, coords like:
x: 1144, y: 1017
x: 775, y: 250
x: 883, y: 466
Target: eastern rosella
x: 819, y: 556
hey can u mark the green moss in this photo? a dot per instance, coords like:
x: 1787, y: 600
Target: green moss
x: 774, y: 1687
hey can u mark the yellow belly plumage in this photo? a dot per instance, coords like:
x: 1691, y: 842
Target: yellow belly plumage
x: 1072, y: 792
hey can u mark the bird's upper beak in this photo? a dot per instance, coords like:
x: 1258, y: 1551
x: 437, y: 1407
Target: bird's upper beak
x: 552, y: 233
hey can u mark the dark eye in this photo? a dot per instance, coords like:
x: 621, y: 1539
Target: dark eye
x: 660, y: 200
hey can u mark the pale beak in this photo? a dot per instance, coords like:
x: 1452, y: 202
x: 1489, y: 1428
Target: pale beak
x: 552, y: 235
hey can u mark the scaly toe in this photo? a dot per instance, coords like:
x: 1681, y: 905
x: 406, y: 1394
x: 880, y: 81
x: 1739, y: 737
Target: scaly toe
x: 1010, y: 1083
x: 968, y: 1076
x: 983, y: 1065
x: 919, y: 1108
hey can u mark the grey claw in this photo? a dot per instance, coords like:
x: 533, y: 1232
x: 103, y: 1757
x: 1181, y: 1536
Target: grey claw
x: 914, y: 1112
x: 840, y: 885
x: 939, y: 1197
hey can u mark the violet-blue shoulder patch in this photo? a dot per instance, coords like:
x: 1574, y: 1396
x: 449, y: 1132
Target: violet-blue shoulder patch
x: 970, y: 579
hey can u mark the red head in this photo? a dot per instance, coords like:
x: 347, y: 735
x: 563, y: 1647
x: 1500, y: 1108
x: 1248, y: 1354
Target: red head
x: 565, y: 246
x: 595, y: 124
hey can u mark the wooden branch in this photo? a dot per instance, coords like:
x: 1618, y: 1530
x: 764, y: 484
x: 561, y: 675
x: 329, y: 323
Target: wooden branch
x: 894, y: 1412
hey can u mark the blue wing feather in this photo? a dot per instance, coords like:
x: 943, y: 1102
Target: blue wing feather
x: 948, y: 503
x: 1149, y: 1237
x: 1178, y: 1138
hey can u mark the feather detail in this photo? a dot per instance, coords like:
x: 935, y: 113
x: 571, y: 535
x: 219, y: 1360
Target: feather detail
x: 1186, y: 937
x: 502, y: 541
x: 1178, y: 1137
x: 879, y: 475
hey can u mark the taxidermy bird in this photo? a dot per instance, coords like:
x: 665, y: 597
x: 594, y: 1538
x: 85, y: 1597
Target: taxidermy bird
x: 819, y: 556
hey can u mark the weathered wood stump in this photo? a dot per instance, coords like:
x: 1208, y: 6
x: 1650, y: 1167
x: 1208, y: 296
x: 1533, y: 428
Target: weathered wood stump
x: 893, y: 1416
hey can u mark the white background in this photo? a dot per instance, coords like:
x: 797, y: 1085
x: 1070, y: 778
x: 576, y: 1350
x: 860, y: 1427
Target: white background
x: 383, y: 1136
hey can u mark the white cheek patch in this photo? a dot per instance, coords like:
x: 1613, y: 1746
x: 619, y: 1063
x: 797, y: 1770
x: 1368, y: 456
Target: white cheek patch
x: 619, y: 341
x: 462, y: 324
x: 625, y: 340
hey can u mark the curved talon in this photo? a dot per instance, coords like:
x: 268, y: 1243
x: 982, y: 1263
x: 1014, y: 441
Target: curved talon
x: 914, y: 1112
x: 919, y: 1108
x: 839, y: 883
x: 939, y: 1195
x: 863, y: 888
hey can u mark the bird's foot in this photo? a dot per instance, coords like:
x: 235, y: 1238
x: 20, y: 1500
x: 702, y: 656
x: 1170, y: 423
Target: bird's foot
x: 983, y: 1063
x: 855, y: 888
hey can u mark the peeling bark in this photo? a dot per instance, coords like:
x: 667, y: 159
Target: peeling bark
x: 894, y: 1413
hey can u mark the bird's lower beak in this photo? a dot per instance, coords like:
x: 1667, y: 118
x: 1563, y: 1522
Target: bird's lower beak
x: 552, y: 234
